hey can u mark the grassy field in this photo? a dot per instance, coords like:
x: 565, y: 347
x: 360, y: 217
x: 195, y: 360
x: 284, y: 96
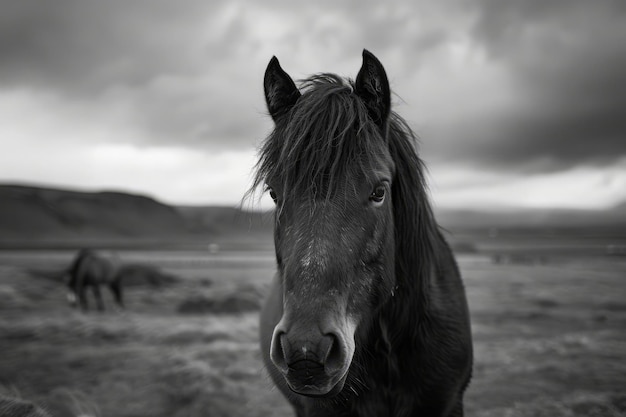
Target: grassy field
x: 550, y: 337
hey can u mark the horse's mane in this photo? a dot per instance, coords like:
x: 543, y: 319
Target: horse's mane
x: 416, y: 231
x: 328, y: 132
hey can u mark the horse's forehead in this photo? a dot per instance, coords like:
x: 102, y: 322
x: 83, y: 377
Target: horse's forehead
x: 319, y: 233
x: 314, y: 257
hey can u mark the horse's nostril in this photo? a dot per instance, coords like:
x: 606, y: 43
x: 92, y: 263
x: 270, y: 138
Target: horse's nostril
x: 277, y: 351
x: 283, y: 346
x: 326, y: 346
x: 334, y: 354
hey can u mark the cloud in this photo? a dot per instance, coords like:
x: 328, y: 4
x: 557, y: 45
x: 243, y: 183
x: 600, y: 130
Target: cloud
x: 583, y: 187
x: 83, y: 47
x: 173, y: 70
x: 190, y: 73
x: 502, y: 88
x: 569, y: 85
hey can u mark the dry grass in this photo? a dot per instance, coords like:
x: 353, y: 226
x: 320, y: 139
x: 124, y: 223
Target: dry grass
x: 549, y: 341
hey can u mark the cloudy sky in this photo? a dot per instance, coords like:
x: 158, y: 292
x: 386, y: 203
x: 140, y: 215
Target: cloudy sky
x: 517, y: 104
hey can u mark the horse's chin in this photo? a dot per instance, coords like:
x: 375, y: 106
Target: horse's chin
x: 313, y: 391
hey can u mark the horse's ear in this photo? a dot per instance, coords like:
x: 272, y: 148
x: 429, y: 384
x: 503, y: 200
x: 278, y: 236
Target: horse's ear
x: 372, y: 86
x: 281, y: 92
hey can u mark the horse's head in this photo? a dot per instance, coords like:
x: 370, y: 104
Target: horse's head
x: 70, y: 295
x: 328, y: 167
x: 70, y: 276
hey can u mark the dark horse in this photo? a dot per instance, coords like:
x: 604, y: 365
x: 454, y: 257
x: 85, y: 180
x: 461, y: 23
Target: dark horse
x: 367, y: 315
x: 91, y: 269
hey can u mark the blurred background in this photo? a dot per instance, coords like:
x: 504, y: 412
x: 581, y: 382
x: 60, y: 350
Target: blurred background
x: 133, y: 127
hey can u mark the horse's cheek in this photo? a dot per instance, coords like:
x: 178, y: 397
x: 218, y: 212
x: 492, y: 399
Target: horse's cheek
x: 359, y: 292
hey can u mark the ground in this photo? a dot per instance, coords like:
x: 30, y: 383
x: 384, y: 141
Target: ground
x: 548, y: 332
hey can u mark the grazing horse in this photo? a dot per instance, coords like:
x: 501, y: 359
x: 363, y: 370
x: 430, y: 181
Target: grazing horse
x: 91, y: 269
x: 367, y: 315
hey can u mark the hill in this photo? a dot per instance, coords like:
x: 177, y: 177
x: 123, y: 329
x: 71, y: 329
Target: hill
x: 31, y: 214
x: 36, y: 214
x: 612, y: 220
x: 225, y: 220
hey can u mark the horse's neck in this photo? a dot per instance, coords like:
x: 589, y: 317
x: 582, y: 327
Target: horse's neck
x: 113, y: 262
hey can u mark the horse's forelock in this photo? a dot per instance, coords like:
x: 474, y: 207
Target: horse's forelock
x: 326, y: 137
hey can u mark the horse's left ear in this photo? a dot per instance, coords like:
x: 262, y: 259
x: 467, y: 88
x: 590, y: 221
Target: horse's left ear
x: 281, y: 92
x: 372, y: 86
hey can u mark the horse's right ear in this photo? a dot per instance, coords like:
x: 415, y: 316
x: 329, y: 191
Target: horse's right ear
x: 281, y: 92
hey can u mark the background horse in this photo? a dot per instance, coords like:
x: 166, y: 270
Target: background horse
x: 367, y: 314
x: 91, y: 269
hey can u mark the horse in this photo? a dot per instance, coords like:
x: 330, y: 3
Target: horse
x: 92, y: 269
x: 367, y: 313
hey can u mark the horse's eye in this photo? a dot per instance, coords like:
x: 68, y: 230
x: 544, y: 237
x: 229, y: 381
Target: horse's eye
x: 273, y: 195
x: 378, y: 195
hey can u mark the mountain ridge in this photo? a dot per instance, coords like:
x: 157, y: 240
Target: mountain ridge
x: 31, y: 212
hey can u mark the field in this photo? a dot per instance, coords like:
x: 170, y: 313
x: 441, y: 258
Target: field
x: 549, y: 330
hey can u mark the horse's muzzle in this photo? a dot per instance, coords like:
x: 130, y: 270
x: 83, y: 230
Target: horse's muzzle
x: 72, y: 300
x: 312, y: 363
